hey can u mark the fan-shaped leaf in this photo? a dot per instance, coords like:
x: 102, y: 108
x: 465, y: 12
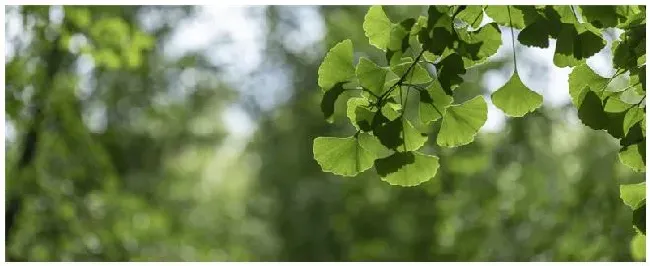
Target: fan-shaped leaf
x: 342, y: 156
x: 407, y: 168
x: 515, y: 99
x: 337, y: 67
x: 377, y: 27
x: 461, y: 122
x: 433, y: 102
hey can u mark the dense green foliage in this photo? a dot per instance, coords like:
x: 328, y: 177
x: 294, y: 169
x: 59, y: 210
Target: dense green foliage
x: 118, y: 151
x: 453, y: 39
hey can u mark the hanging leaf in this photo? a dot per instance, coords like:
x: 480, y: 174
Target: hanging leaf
x: 633, y: 156
x: 581, y: 79
x: 400, y: 135
x: 472, y: 15
x: 371, y: 76
x: 407, y: 168
x: 359, y: 113
x: 576, y: 43
x: 515, y: 99
x: 417, y: 75
x: 342, y: 156
x: 329, y: 101
x: 433, y: 102
x: 461, y: 122
x: 337, y: 67
x: 633, y: 194
x: 632, y: 117
x: 377, y: 27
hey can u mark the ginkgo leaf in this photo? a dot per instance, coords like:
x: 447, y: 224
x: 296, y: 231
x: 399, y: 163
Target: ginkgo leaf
x: 337, y: 67
x: 633, y: 194
x: 501, y: 16
x: 614, y: 104
x: 637, y: 247
x: 433, y: 103
x: 377, y: 27
x: 342, y: 156
x: 575, y: 43
x: 617, y: 83
x: 359, y: 113
x: 371, y: 76
x: 372, y: 144
x: 601, y: 16
x: 515, y: 99
x: 638, y: 217
x: 591, y: 112
x: 633, y: 156
x: 632, y: 117
x: 461, y: 122
x: 450, y: 70
x: 420, y: 23
x: 536, y: 34
x: 399, y: 34
x: 477, y: 46
x: 581, y: 79
x: 472, y: 15
x: 400, y: 135
x: 643, y: 127
x: 329, y: 101
x: 631, y: 96
x: 407, y: 168
x: 417, y: 75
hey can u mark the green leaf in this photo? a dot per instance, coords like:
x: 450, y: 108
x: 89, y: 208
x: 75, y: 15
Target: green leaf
x: 535, y: 34
x: 449, y: 71
x: 377, y: 27
x: 632, y: 117
x: 400, y: 135
x: 420, y: 24
x: 633, y: 156
x: 635, y: 136
x: 342, y: 156
x: 329, y: 100
x: 373, y: 145
x: 359, y: 113
x: 600, y: 16
x: 338, y: 65
x: 591, y: 113
x: 407, y: 168
x: 617, y: 83
x: 637, y: 246
x: 580, y: 80
x: 638, y: 217
x: 632, y: 194
x: 615, y: 105
x: 643, y: 127
x: 477, y: 46
x: 515, y: 99
x: 461, y: 122
x: 399, y: 34
x: 433, y: 102
x: 418, y: 74
x: 631, y: 96
x: 575, y: 43
x: 371, y: 76
x: 566, y: 14
x: 472, y: 15
x: 501, y: 16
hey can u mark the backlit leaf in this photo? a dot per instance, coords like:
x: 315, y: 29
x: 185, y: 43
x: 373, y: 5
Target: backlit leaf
x: 461, y: 122
x: 515, y: 99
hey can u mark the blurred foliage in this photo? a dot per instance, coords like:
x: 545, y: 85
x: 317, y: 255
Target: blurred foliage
x: 117, y: 157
